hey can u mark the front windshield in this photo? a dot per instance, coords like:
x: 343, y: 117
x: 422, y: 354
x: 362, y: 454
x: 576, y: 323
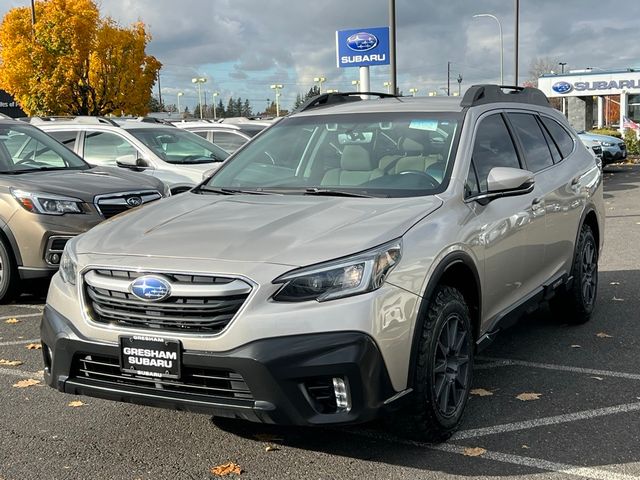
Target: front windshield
x: 24, y: 148
x: 389, y: 155
x: 179, y: 146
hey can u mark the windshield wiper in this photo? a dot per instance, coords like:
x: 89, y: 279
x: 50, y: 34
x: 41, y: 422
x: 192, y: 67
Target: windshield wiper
x: 334, y: 193
x: 228, y: 191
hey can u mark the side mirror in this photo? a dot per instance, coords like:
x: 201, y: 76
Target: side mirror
x: 132, y: 161
x: 506, y: 182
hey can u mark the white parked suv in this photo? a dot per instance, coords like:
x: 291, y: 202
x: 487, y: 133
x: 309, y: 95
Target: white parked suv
x: 175, y: 156
x: 348, y: 261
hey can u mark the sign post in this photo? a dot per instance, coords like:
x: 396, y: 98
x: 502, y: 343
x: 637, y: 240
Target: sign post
x: 362, y: 48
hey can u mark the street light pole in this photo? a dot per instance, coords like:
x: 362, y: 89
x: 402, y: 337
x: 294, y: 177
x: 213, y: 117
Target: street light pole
x: 501, y: 43
x: 319, y: 81
x: 277, y: 87
x: 33, y: 14
x: 179, y: 95
x: 459, y: 79
x: 388, y: 85
x: 215, y: 115
x: 199, y: 81
x: 564, y: 99
x: 448, y: 79
x: 517, y: 38
x: 392, y: 46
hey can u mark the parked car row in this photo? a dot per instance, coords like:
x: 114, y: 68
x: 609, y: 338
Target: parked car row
x: 609, y: 149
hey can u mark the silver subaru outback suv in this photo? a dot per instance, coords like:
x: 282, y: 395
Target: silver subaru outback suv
x: 349, y: 261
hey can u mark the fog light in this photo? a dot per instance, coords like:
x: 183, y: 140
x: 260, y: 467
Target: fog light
x: 341, y: 392
x: 54, y: 258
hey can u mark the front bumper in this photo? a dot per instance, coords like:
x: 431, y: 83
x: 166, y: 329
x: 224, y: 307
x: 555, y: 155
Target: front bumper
x: 613, y: 154
x: 277, y: 372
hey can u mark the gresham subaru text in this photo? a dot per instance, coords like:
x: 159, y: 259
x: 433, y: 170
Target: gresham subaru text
x: 347, y: 262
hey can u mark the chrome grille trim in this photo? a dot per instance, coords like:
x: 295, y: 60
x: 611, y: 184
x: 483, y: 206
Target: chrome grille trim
x: 206, y: 305
x: 111, y: 204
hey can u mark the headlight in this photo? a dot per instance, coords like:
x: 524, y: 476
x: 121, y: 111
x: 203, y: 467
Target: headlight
x: 606, y: 144
x: 360, y: 273
x: 46, y: 203
x: 68, y: 263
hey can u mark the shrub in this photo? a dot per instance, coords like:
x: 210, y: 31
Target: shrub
x: 632, y: 142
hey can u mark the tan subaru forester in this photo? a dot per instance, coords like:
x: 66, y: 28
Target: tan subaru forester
x: 48, y: 195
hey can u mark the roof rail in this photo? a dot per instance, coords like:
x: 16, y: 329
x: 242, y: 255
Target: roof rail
x: 484, y: 94
x: 325, y: 99
x: 77, y: 119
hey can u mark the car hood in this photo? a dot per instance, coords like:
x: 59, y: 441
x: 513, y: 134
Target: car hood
x: 601, y: 138
x: 283, y: 229
x: 84, y: 184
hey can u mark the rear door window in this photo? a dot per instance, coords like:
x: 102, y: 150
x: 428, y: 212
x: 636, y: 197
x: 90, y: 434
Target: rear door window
x: 228, y: 140
x: 104, y: 148
x: 536, y: 151
x: 68, y: 139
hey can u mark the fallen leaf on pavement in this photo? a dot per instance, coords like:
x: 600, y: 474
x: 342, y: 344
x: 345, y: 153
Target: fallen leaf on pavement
x: 26, y: 383
x: 597, y: 378
x: 226, y: 469
x: 616, y: 299
x: 11, y: 321
x: 525, y: 446
x: 529, y: 396
x: 474, y: 452
x: 576, y: 346
x: 271, y: 448
x: 34, y: 346
x: 76, y: 403
x: 603, y: 335
x: 481, y: 392
x: 614, y: 283
x: 10, y: 363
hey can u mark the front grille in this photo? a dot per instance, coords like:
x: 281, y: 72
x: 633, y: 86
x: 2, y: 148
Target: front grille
x: 115, y: 203
x: 597, y: 149
x: 198, y: 303
x: 195, y: 381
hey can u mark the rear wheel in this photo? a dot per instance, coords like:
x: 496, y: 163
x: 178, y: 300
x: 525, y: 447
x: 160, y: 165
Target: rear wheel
x: 577, y: 303
x: 8, y: 274
x: 443, y: 370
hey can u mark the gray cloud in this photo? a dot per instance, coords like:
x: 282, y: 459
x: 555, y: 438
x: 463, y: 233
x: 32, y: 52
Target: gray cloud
x: 242, y: 46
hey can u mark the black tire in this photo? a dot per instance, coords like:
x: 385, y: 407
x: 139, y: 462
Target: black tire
x: 440, y: 370
x: 8, y: 274
x: 576, y: 304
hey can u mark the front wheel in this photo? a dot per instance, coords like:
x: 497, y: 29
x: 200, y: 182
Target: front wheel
x: 443, y: 369
x: 576, y: 305
x: 8, y: 274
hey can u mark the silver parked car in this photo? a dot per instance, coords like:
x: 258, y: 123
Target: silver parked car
x: 613, y: 149
x: 176, y: 157
x: 348, y: 261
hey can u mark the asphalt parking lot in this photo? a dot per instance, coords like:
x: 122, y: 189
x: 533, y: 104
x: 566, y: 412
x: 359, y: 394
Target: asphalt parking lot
x: 584, y: 421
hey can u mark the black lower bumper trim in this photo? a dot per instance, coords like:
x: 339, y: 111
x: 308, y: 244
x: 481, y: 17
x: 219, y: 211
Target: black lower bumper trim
x: 277, y: 371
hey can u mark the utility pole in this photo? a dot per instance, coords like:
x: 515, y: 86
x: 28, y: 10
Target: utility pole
x: 160, y: 92
x: 277, y: 87
x: 459, y: 82
x: 448, y: 79
x: 517, y: 38
x: 33, y: 14
x: 319, y: 81
x: 392, y: 47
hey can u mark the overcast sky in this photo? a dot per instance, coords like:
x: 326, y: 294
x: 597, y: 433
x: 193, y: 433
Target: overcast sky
x: 243, y: 46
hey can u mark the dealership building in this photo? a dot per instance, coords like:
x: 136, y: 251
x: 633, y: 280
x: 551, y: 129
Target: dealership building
x: 590, y: 96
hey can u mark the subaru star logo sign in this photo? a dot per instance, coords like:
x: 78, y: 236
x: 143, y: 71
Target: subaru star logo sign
x: 362, y: 41
x: 362, y: 47
x: 134, y: 201
x: 150, y: 288
x: 562, y: 87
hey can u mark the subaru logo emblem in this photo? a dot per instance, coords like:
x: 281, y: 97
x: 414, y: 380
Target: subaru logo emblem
x: 134, y: 201
x: 562, y: 87
x: 150, y: 288
x: 362, y: 41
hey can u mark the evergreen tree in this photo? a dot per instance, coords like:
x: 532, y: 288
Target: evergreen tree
x: 246, y: 109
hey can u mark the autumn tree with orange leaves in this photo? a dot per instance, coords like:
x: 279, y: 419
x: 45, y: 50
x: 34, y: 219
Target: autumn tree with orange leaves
x: 72, y: 62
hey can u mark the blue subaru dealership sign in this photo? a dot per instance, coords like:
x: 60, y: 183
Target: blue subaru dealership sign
x: 362, y: 47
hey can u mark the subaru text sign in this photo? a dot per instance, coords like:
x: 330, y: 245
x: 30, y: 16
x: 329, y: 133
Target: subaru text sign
x: 362, y: 47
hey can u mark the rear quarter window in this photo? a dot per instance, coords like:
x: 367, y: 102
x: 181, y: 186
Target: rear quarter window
x: 560, y: 136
